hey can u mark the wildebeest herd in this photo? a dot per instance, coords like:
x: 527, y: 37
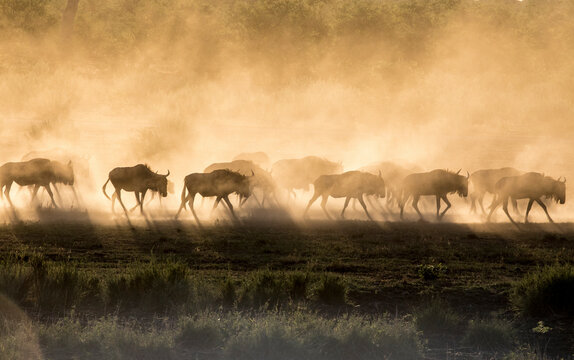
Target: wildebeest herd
x: 246, y: 177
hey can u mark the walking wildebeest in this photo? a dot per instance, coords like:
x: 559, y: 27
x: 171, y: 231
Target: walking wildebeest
x: 219, y: 183
x: 438, y: 183
x: 350, y: 185
x: 258, y: 178
x: 260, y: 158
x: 394, y: 175
x: 38, y: 172
x: 138, y: 179
x: 484, y: 181
x: 532, y: 186
x: 293, y: 174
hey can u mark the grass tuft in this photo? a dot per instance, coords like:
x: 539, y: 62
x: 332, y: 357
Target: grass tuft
x: 546, y: 292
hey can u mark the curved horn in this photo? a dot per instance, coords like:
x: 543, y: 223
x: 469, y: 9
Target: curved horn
x: 166, y: 175
x: 467, y: 175
x: 252, y: 173
x: 458, y: 172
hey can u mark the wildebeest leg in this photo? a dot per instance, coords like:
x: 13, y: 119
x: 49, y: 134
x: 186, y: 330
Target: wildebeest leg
x: 505, y: 208
x: 402, y: 202
x: 142, y: 200
x: 58, y: 193
x: 472, y: 203
x: 493, y: 206
x: 137, y: 195
x: 118, y: 193
x: 35, y: 192
x: 324, y: 205
x: 437, y: 206
x: 7, y: 193
x: 217, y: 200
x: 515, y: 206
x: 445, y: 199
x: 545, y: 210
x: 226, y: 199
x: 528, y: 207
x: 315, y: 197
x: 345, y: 206
x: 47, y: 187
x: 191, y: 200
x: 415, y: 205
x: 182, y: 206
x: 362, y: 202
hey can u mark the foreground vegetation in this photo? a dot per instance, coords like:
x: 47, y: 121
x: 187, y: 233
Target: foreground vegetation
x: 400, y: 291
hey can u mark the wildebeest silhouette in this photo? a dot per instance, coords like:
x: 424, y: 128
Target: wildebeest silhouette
x: 484, y: 181
x: 260, y: 158
x: 394, y: 175
x: 532, y: 186
x: 294, y: 174
x: 38, y: 172
x: 438, y: 183
x: 139, y: 179
x: 350, y: 185
x: 259, y: 179
x: 218, y: 183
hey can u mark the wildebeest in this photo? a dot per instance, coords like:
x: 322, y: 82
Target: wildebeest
x: 438, y: 183
x: 38, y: 172
x: 139, y: 179
x: 532, y: 186
x: 293, y: 174
x: 484, y: 181
x: 258, y: 178
x: 260, y: 158
x: 219, y: 183
x: 394, y: 175
x: 350, y: 185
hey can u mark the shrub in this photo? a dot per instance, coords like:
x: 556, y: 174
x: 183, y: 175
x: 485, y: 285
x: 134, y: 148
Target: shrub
x: 151, y: 287
x: 15, y: 280
x: 437, y: 316
x: 332, y: 290
x: 265, y: 288
x: 228, y: 292
x: 61, y: 286
x: 200, y: 333
x: 489, y: 335
x: 548, y: 291
x: 431, y: 272
x: 298, y: 284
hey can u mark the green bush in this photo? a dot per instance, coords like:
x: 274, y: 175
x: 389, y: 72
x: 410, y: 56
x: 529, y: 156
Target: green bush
x: 489, y: 335
x: 431, y: 272
x: 15, y: 280
x: 152, y: 287
x: 61, y: 286
x: 332, y: 290
x: 265, y: 288
x: 546, y: 292
x: 200, y: 333
x: 437, y: 316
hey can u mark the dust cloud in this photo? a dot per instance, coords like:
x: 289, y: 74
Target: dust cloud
x: 179, y: 85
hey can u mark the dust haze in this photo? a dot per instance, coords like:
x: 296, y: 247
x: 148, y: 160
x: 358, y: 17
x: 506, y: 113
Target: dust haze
x: 180, y: 85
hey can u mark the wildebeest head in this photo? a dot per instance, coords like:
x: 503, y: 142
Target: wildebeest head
x: 461, y: 183
x: 379, y: 184
x: 63, y: 173
x: 559, y: 190
x: 159, y: 183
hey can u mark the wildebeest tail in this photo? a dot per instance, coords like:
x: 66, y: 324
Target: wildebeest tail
x: 183, y: 196
x: 104, y: 189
